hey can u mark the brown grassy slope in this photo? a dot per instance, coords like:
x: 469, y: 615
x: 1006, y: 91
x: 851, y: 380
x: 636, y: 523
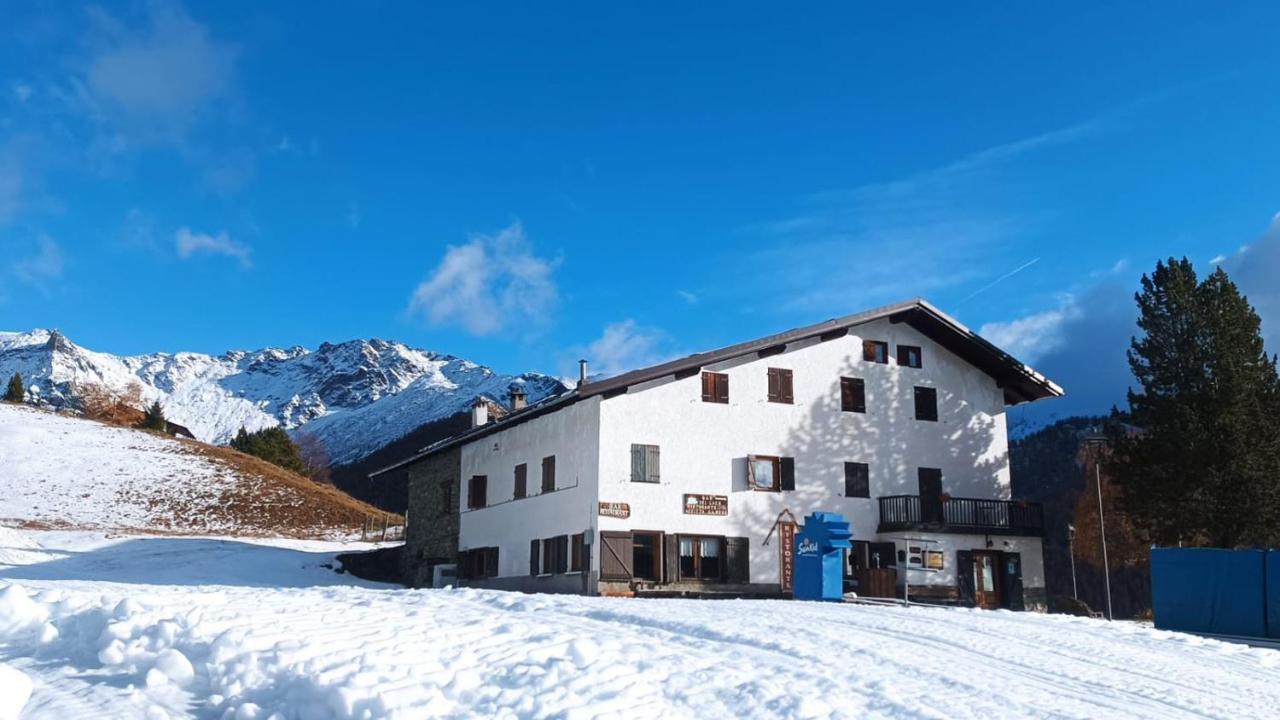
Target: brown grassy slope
x: 271, y: 500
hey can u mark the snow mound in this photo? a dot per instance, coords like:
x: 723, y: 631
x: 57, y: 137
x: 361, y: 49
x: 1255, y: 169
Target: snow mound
x: 15, y: 690
x: 63, y: 471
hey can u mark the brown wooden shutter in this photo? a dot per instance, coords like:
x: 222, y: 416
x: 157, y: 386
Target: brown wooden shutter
x: 708, y: 387
x: 869, y: 350
x: 549, y: 474
x: 926, y: 403
x: 562, y: 554
x: 787, y: 478
x: 722, y: 388
x: 492, y: 564
x: 522, y: 481
x: 737, y: 551
x: 785, y: 387
x: 775, y: 385
x: 534, y: 549
x: 637, y: 463
x: 671, y: 553
x: 651, y: 463
x: 616, y: 556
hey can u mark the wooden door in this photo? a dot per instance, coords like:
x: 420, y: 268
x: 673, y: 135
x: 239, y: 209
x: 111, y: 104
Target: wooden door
x: 615, y: 556
x: 930, y: 481
x: 986, y: 579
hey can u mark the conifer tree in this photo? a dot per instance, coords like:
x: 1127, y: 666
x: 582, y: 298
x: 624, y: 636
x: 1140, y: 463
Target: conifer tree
x: 16, y: 392
x: 272, y: 444
x: 154, y: 418
x: 1197, y: 458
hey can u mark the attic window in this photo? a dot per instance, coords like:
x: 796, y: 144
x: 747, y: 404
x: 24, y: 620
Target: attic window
x: 715, y: 387
x: 780, y: 386
x: 909, y: 356
x: 876, y: 351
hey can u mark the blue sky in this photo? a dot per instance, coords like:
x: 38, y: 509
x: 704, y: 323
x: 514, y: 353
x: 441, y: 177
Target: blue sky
x: 524, y: 184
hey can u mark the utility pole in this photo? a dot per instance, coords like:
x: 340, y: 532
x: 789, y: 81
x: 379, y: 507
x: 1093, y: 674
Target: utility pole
x: 1071, y: 551
x: 1098, y: 443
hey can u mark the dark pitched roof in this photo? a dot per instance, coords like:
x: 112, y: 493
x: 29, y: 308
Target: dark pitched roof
x: 1019, y: 382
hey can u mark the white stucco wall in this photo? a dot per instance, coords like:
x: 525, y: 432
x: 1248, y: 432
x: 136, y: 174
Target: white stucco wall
x: 704, y: 446
x: 1029, y: 549
x: 572, y: 435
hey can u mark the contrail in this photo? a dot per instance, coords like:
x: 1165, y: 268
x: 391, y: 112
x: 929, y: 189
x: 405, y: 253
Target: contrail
x: 1000, y: 279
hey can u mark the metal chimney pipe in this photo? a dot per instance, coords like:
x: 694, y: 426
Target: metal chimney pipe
x: 582, y: 372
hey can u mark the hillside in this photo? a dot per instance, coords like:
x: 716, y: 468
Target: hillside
x: 61, y: 471
x: 356, y: 396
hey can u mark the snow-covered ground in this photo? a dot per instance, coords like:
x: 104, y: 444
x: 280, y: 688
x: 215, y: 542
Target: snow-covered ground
x: 131, y: 627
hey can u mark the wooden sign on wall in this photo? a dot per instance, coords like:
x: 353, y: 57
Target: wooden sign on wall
x: 695, y: 504
x: 786, y: 555
x: 615, y: 510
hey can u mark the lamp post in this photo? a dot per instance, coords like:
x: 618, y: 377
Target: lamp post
x: 1071, y: 552
x: 1097, y: 443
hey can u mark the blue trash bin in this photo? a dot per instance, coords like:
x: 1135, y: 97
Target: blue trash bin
x: 819, y: 563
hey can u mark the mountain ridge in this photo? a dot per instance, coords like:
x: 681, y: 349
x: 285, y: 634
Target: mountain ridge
x: 355, y: 396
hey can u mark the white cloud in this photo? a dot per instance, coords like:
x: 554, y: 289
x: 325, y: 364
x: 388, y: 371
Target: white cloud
x: 22, y: 91
x: 624, y: 346
x: 166, y: 72
x: 687, y: 296
x: 191, y: 243
x: 1030, y: 337
x: 42, y: 266
x: 491, y: 283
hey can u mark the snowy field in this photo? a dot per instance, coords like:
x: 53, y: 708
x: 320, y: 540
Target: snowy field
x: 147, y: 627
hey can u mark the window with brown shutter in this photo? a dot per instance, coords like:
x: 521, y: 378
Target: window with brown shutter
x: 701, y: 557
x: 562, y: 554
x: 548, y: 556
x: 764, y: 472
x: 780, y: 389
x: 522, y: 481
x: 549, y: 474
x: 477, y: 492
x: 857, y: 480
x: 577, y: 546
x: 853, y: 395
x: 644, y: 464
x: 876, y: 351
x: 715, y: 387
x: 926, y: 403
x: 909, y: 356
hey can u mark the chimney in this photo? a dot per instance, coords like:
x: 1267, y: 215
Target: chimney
x: 479, y: 412
x: 582, y: 372
x: 518, y: 397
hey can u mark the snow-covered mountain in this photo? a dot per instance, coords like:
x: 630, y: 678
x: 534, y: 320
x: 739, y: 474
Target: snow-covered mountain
x: 354, y: 396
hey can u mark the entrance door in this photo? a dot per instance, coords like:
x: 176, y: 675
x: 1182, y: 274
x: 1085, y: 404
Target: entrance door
x: 646, y: 554
x: 986, y: 579
x: 930, y: 480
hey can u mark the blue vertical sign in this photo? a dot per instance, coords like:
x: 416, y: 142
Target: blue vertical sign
x: 819, y: 561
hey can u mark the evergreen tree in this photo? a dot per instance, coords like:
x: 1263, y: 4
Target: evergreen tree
x: 16, y: 392
x: 154, y: 418
x: 1198, y: 464
x: 272, y: 444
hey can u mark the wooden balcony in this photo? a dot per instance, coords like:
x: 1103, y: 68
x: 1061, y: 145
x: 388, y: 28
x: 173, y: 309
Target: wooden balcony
x: 974, y: 516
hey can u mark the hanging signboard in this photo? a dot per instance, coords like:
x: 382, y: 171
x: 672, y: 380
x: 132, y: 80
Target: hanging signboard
x: 706, y: 504
x: 615, y: 510
x: 786, y: 555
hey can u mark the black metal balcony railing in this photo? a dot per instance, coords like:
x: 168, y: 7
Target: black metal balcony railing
x: 961, y: 515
